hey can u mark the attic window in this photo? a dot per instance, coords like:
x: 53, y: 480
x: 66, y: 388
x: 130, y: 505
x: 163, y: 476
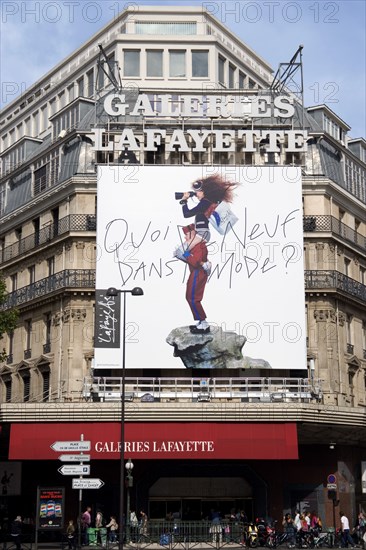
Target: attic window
x: 166, y: 27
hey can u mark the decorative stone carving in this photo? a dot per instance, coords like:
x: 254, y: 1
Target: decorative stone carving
x: 78, y: 314
x: 333, y: 315
x: 321, y: 314
x: 341, y: 318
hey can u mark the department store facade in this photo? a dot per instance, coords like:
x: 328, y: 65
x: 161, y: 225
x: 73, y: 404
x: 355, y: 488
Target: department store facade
x: 188, y: 95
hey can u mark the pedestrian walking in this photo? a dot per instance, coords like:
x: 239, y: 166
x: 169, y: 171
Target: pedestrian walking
x: 347, y: 539
x: 70, y: 534
x: 85, y: 525
x: 16, y: 532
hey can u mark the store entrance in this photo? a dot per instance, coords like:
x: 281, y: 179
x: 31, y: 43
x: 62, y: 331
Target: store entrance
x: 194, y: 499
x: 195, y: 509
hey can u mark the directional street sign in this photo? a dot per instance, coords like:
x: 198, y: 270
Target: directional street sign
x: 75, y: 470
x: 74, y: 458
x: 71, y: 446
x: 91, y: 483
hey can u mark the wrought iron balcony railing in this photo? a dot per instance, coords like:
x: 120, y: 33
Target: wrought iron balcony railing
x: 333, y: 225
x: 334, y: 280
x: 73, y: 222
x: 73, y: 278
x: 85, y: 278
x: 87, y: 222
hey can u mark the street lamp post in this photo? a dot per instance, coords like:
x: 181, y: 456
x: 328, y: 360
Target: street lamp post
x: 129, y: 468
x: 137, y: 291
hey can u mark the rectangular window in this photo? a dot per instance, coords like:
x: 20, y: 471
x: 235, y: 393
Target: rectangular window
x: 26, y: 387
x: 51, y: 266
x: 7, y: 391
x: 90, y: 83
x: 154, y: 63
x: 28, y: 334
x: 71, y: 92
x: 222, y: 70
x: 231, y: 76
x: 35, y: 124
x: 46, y: 385
x: 166, y: 28
x: 40, y: 180
x: 14, y: 282
x: 131, y: 65
x: 48, y: 319
x: 32, y: 274
x: 44, y: 118
x: 199, y: 63
x: 80, y: 84
x: 2, y: 198
x: 177, y: 64
x: 61, y: 100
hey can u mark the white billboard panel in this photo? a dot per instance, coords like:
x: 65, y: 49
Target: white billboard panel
x: 252, y: 299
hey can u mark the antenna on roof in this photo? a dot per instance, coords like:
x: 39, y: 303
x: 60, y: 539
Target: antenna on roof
x: 112, y: 65
x: 286, y: 72
x: 285, y: 81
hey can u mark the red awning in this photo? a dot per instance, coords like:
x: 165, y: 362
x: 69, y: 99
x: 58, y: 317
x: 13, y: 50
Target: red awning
x: 153, y: 440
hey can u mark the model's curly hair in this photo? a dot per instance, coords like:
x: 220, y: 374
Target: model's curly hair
x: 215, y: 188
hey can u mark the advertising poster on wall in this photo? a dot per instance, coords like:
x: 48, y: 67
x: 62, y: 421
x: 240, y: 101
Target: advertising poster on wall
x: 218, y: 254
x: 10, y: 478
x: 51, y: 506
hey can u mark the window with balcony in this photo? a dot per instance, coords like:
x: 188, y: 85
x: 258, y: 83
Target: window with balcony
x: 40, y: 180
x: 32, y: 274
x: 14, y: 282
x: 349, y: 334
x: 154, y: 63
x: 36, y: 225
x: 131, y: 63
x: 51, y: 266
x: 177, y: 63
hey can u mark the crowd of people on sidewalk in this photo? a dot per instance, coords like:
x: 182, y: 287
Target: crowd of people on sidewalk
x: 299, y: 526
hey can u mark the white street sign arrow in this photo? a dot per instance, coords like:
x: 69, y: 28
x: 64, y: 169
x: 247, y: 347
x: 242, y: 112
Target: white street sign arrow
x: 74, y: 458
x: 75, y: 470
x: 91, y: 483
x: 71, y: 446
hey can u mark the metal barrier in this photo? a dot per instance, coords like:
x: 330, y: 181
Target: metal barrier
x: 250, y: 390
x: 185, y: 534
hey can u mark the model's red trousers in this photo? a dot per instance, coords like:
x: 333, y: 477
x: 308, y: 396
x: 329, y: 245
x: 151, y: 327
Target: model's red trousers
x: 195, y: 288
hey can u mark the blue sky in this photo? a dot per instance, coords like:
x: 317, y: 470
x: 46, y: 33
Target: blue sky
x: 37, y: 34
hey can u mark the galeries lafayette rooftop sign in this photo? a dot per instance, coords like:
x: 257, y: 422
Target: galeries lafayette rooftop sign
x: 185, y: 109
x: 153, y: 440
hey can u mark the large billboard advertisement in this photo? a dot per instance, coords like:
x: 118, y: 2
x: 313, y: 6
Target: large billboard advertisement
x: 218, y: 254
